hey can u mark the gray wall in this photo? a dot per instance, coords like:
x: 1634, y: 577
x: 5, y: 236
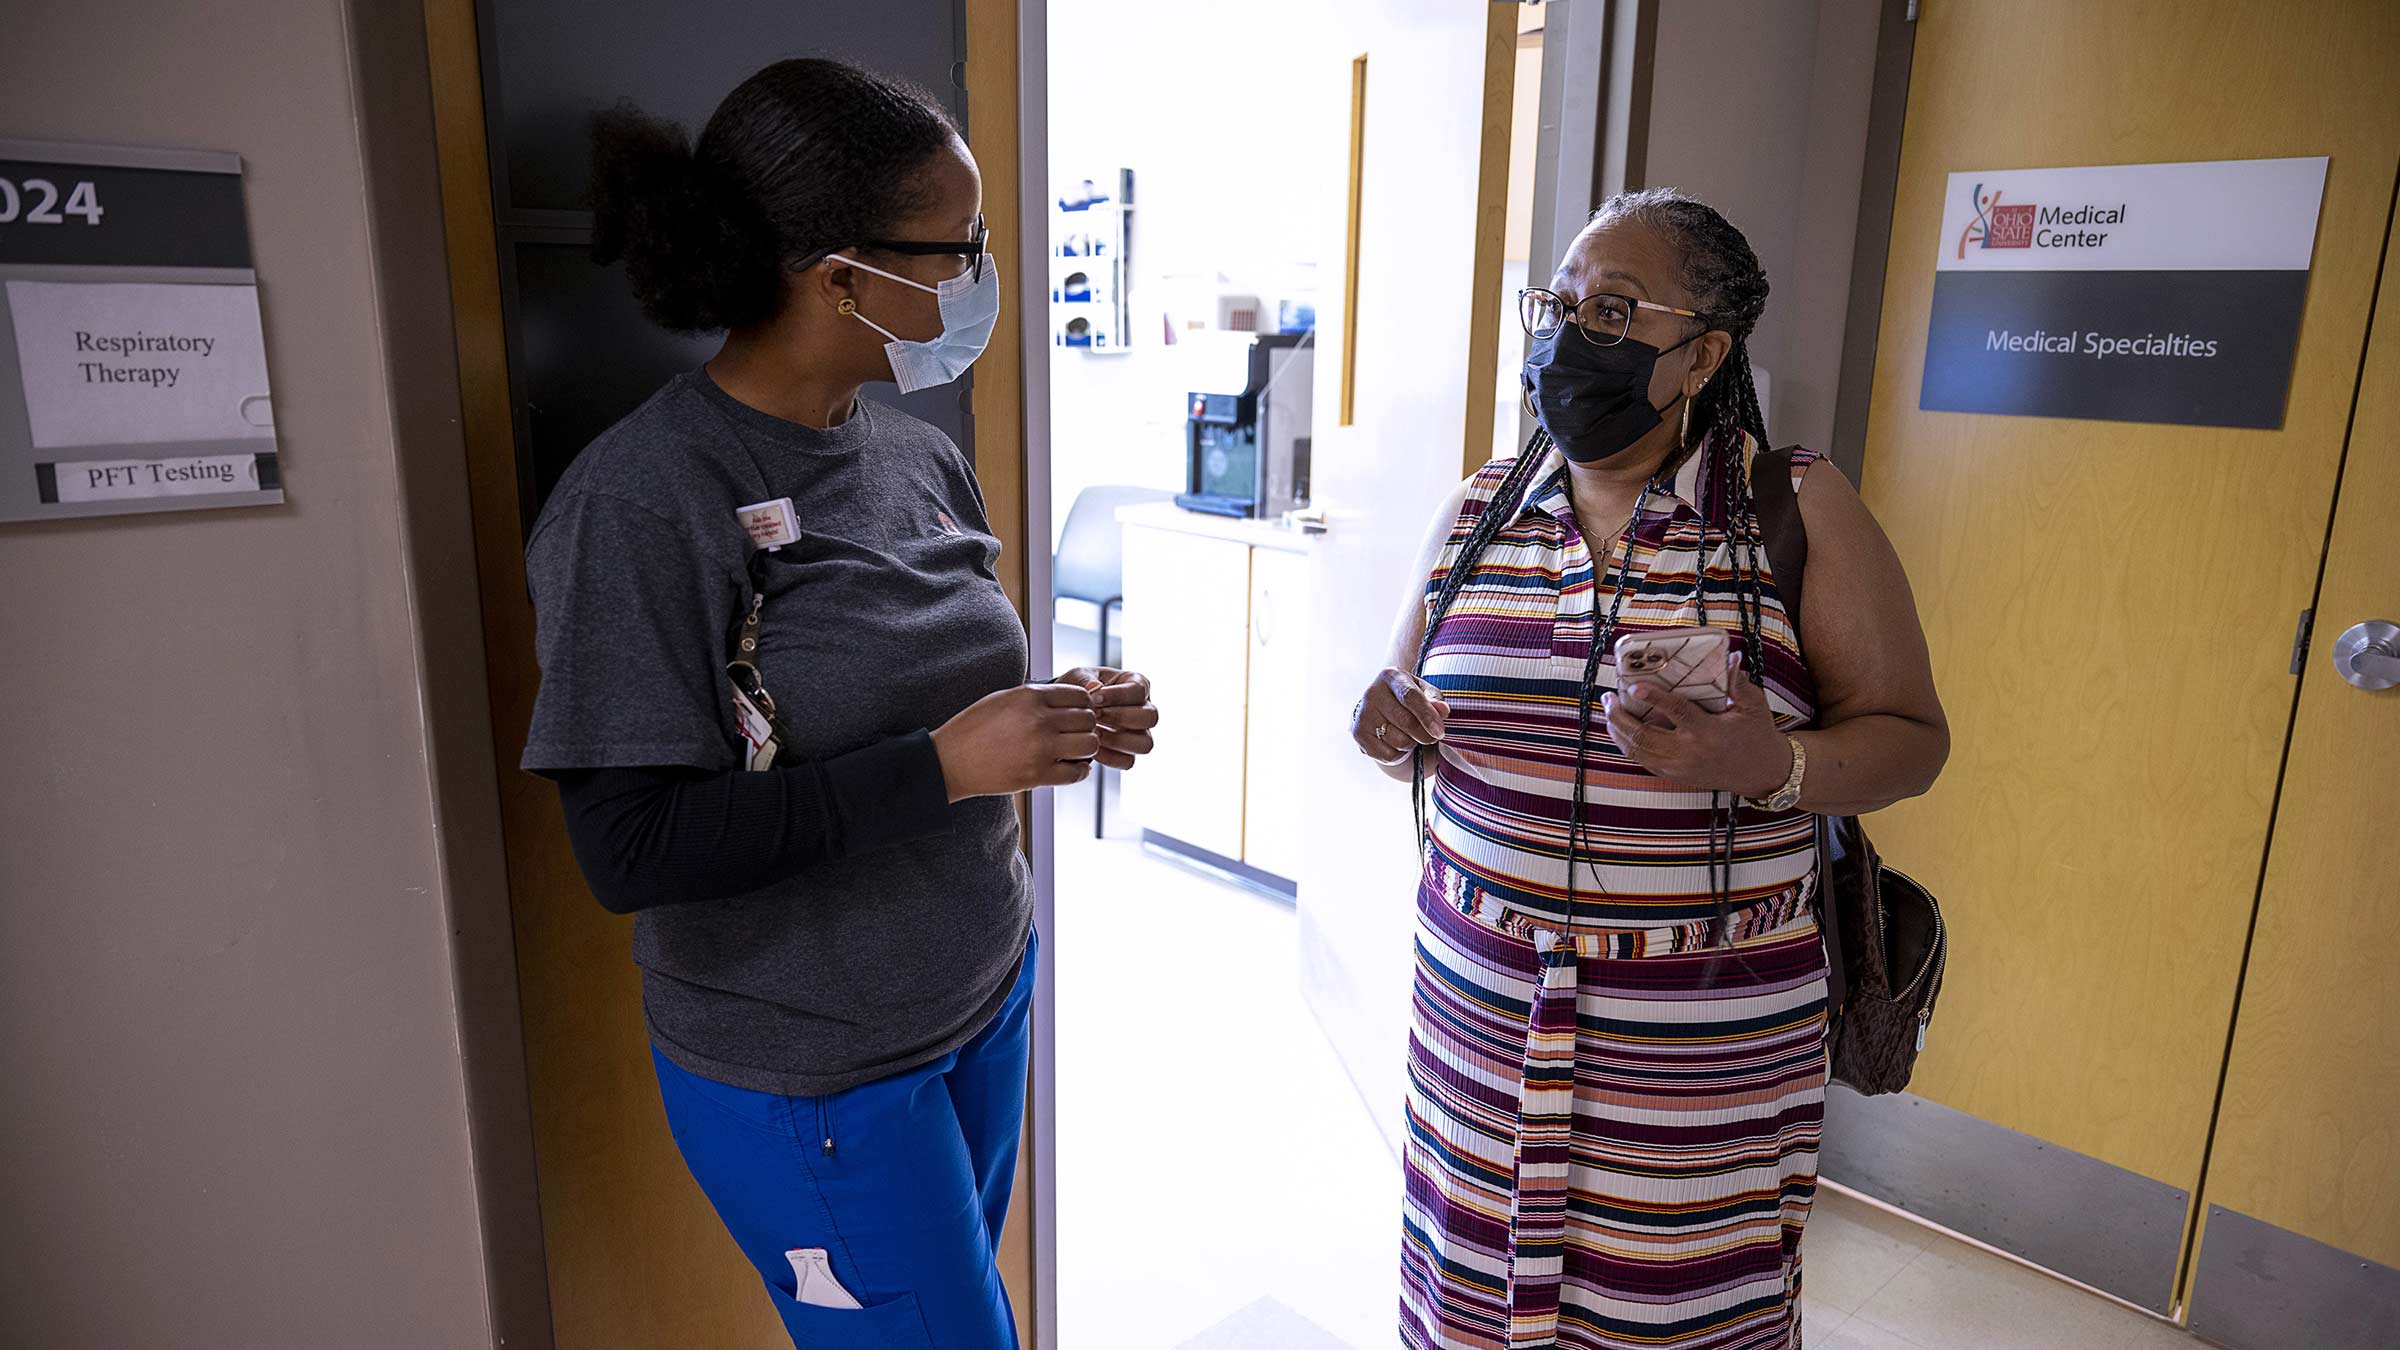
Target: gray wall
x: 1759, y: 107
x: 230, y: 1024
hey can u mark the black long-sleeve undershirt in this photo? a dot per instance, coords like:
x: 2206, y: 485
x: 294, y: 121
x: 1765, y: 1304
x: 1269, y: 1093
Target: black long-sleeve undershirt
x: 653, y: 836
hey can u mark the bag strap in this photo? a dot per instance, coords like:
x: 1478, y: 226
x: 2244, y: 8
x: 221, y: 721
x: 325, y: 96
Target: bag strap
x: 1779, y: 521
x: 1786, y: 535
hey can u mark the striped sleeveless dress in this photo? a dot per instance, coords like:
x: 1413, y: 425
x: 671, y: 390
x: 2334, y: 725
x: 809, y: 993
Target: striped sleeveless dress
x: 1612, y: 1122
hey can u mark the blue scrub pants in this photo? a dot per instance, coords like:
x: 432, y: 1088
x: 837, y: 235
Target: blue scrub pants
x: 904, y: 1182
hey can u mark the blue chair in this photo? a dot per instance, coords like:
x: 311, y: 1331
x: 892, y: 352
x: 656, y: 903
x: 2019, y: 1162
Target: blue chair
x: 1090, y: 567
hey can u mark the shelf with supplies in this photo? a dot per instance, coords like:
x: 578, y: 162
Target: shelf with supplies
x: 1091, y: 236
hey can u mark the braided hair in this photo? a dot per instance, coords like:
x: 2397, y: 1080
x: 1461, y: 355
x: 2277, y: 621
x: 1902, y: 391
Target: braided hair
x: 805, y: 157
x: 1720, y: 271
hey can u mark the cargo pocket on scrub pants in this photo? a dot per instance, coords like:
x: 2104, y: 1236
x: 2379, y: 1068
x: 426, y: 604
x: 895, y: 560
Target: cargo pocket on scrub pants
x: 822, y: 1312
x: 897, y: 1325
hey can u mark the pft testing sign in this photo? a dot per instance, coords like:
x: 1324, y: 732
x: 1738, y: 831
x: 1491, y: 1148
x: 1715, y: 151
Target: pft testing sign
x: 2128, y: 293
x: 133, y: 370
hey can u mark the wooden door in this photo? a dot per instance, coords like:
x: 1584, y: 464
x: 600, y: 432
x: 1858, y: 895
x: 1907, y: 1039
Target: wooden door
x: 1409, y: 366
x: 634, y: 1254
x: 2112, y: 606
x: 2308, y: 1136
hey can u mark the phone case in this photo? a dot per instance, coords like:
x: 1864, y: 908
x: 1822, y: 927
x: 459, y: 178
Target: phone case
x: 1689, y: 661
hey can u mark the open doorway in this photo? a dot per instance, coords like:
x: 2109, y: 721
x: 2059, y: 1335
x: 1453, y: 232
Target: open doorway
x: 1225, y: 1176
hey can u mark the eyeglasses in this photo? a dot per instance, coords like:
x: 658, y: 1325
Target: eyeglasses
x: 972, y: 249
x: 1602, y: 319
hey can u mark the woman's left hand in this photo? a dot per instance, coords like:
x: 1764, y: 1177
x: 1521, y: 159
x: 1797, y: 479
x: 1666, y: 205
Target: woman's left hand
x: 1738, y: 750
x: 1122, y: 698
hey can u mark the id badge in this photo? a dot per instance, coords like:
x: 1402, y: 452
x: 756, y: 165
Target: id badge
x: 770, y: 525
x: 759, y: 742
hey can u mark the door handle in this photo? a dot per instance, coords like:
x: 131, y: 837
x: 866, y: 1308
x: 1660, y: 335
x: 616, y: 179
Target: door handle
x: 2368, y: 655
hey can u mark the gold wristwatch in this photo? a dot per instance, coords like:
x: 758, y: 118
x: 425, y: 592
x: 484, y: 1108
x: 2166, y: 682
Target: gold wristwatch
x: 1788, y: 796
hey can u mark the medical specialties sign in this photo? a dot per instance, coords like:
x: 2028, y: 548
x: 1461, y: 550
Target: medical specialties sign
x: 2130, y: 293
x: 133, y: 372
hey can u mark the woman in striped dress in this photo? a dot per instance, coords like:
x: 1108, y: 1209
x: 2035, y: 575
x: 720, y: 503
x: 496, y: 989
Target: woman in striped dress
x: 1617, y: 1065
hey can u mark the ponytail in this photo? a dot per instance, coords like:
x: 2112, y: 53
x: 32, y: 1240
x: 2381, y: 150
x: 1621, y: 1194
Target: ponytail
x: 801, y: 159
x: 699, y: 252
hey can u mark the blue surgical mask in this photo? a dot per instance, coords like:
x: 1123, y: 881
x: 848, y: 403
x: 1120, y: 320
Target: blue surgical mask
x: 970, y: 310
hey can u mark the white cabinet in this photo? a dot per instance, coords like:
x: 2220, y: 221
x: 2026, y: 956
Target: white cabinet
x: 1187, y: 619
x: 1274, y: 817
x: 1216, y: 614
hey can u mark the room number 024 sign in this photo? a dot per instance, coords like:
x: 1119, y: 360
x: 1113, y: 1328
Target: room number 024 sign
x: 133, y: 371
x: 82, y: 202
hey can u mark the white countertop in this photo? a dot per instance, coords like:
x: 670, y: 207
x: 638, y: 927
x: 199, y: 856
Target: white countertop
x: 1256, y: 533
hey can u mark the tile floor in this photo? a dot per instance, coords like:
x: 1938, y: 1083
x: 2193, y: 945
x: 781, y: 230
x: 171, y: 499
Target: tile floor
x: 1179, y: 1022
x: 1180, y: 1019
x: 1878, y: 1281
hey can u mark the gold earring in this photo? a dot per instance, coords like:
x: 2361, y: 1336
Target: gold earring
x: 1684, y: 437
x: 847, y: 306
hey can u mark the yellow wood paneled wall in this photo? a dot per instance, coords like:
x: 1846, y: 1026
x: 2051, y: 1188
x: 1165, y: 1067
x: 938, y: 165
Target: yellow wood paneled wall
x: 2308, y: 1137
x: 2111, y: 605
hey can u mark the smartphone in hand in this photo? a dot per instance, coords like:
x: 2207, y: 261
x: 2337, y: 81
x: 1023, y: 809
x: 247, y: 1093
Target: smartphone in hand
x: 1689, y: 661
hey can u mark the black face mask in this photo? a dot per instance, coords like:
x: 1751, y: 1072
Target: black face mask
x: 1593, y: 400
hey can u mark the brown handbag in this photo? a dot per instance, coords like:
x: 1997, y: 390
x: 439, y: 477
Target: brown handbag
x: 1885, y: 946
x: 1886, y: 949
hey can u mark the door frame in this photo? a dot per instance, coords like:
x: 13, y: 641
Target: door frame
x: 1032, y: 34
x: 1039, y: 608
x: 516, y: 1253
x: 1878, y: 195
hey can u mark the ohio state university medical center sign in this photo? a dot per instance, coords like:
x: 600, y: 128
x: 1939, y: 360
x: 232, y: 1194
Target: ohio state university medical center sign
x: 2130, y: 292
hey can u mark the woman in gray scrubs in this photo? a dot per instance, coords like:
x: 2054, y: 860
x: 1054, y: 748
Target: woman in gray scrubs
x: 784, y: 699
